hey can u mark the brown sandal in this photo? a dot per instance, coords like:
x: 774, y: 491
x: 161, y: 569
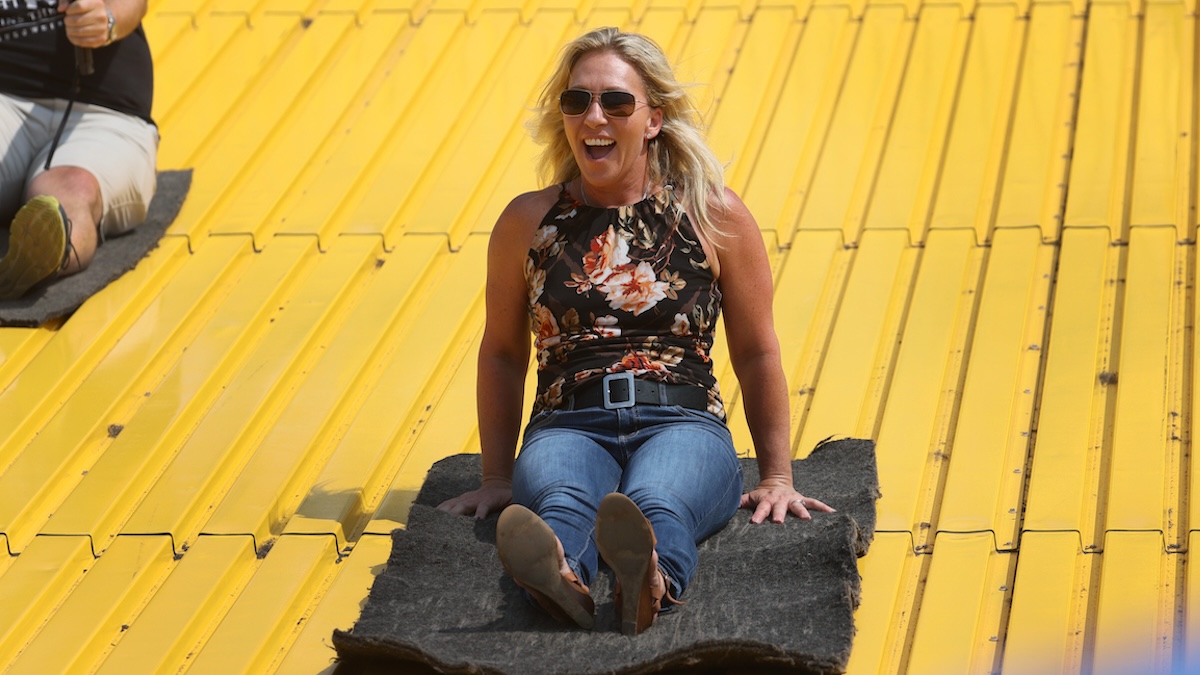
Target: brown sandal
x: 626, y: 542
x: 529, y: 552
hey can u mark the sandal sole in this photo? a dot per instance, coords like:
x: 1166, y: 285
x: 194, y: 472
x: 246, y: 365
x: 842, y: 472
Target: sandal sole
x: 528, y: 550
x: 626, y: 541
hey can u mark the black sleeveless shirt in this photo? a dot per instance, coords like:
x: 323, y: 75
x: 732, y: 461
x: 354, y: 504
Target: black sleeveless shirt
x: 620, y: 289
x: 37, y: 61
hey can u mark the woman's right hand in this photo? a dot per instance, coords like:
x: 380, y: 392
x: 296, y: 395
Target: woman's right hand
x: 491, y: 498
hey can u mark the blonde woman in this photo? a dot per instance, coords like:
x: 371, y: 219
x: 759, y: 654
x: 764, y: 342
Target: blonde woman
x: 619, y: 271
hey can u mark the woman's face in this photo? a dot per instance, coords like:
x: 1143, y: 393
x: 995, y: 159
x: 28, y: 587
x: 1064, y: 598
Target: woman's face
x: 611, y: 150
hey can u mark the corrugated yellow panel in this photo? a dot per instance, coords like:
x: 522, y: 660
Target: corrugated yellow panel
x: 67, y: 446
x: 256, y: 389
x: 598, y: 17
x: 801, y: 7
x: 783, y: 172
x: 853, y: 377
x: 709, y: 54
x: 892, y: 576
x: 428, y: 347
x: 454, y: 185
x: 178, y: 63
x: 908, y: 175
x: 666, y: 23
x: 68, y: 354
x: 262, y: 7
x: 33, y: 586
x: 1074, y: 423
x: 1161, y: 180
x: 967, y: 194
x: 920, y: 404
x: 450, y: 429
x: 178, y: 6
x: 294, y: 451
x: 857, y: 7
x: 1136, y: 615
x: 1100, y: 161
x: 1145, y: 471
x: 263, y: 622
x: 215, y: 68
x: 963, y: 611
x: 85, y: 626
x: 749, y: 102
x: 18, y: 346
x: 229, y: 154
x: 56, y: 425
x: 1055, y: 586
x: 1035, y: 176
x: 138, y: 375
x: 841, y: 187
x: 162, y: 30
x: 186, y: 608
x: 332, y: 187
x: 339, y: 607
x: 455, y: 89
x: 204, y: 450
x: 992, y: 437
x: 304, y: 101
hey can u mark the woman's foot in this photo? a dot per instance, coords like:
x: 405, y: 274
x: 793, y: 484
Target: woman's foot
x: 626, y: 542
x: 533, y: 557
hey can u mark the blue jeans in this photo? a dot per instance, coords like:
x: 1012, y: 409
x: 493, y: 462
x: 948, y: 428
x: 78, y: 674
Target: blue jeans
x: 678, y: 465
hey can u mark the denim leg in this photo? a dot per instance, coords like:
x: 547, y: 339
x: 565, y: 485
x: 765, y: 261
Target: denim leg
x: 686, y: 479
x: 561, y: 474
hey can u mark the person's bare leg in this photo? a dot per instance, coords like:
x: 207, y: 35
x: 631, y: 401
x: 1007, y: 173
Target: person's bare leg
x: 79, y: 193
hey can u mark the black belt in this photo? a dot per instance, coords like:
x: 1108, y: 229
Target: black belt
x: 623, y: 390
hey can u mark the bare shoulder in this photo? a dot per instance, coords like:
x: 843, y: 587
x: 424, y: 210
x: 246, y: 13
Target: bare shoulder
x: 528, y: 209
x: 735, y: 219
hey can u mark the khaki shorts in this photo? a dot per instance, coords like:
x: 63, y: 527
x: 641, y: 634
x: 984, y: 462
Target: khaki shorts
x: 119, y: 150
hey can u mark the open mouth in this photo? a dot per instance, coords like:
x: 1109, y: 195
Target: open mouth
x: 599, y: 148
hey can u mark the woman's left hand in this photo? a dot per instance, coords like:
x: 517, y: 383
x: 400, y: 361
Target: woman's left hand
x: 775, y: 501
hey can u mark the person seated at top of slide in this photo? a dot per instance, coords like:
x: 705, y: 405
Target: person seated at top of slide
x: 78, y: 142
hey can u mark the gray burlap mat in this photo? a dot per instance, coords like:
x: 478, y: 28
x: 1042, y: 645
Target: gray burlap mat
x: 777, y: 598
x: 117, y: 256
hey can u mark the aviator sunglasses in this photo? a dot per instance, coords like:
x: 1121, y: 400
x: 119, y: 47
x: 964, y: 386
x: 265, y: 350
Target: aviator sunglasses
x: 575, y: 102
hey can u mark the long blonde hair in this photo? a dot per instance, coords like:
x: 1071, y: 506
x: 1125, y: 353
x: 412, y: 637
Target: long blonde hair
x: 677, y: 156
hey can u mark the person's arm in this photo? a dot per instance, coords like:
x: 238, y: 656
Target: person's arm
x: 87, y: 20
x: 503, y: 359
x: 747, y: 289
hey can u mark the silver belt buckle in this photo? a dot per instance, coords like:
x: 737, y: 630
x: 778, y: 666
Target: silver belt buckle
x: 631, y: 399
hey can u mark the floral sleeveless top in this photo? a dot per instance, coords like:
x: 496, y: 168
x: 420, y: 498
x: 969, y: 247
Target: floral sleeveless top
x: 620, y: 289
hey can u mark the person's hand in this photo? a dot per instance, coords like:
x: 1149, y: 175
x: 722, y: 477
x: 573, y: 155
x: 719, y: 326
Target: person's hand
x: 491, y: 498
x: 86, y: 21
x: 775, y: 499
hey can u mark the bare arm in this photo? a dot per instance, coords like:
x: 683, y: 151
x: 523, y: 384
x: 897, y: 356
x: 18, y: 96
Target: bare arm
x: 747, y: 293
x: 503, y: 357
x: 87, y: 20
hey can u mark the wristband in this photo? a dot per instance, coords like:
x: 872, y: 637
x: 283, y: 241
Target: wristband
x: 112, y: 28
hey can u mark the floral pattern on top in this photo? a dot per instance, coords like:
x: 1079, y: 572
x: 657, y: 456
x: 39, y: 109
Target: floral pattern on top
x: 625, y: 289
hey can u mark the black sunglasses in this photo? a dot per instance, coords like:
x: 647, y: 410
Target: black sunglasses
x: 574, y: 102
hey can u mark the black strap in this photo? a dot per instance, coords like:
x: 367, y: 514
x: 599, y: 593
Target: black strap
x: 645, y: 392
x: 83, y: 66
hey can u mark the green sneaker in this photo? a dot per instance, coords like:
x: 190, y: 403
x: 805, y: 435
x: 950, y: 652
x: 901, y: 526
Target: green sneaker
x: 38, y: 244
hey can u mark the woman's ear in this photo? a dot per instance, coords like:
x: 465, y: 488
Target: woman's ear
x: 654, y: 123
